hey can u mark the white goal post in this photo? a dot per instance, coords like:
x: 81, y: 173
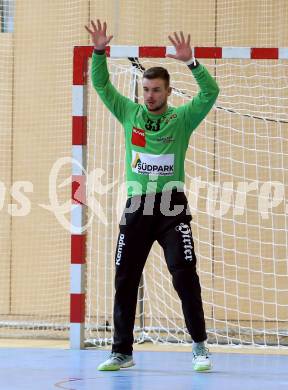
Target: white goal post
x: 236, y: 183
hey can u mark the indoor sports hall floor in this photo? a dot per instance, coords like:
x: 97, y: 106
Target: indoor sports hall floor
x: 61, y: 368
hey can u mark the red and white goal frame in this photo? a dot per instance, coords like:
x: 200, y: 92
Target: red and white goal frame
x: 79, y: 143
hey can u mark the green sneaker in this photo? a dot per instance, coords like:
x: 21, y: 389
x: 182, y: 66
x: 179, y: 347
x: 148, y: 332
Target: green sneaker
x: 116, y: 361
x: 201, y: 361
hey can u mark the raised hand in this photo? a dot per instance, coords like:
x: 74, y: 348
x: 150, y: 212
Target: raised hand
x: 183, y: 48
x: 98, y: 35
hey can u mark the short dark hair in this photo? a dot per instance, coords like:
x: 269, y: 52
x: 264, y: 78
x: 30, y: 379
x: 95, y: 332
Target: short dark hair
x: 157, y: 72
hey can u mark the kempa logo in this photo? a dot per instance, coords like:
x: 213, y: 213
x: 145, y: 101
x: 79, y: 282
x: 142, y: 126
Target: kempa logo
x: 146, y: 164
x: 121, y: 243
x: 185, y: 231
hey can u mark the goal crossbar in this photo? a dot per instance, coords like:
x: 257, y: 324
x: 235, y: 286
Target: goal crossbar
x: 79, y: 144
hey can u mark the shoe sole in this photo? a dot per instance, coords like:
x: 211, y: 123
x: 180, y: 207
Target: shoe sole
x: 202, y: 368
x: 116, y: 367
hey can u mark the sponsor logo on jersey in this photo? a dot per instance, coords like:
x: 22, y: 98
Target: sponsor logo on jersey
x: 120, y: 245
x: 138, y: 137
x: 151, y: 164
x: 185, y: 231
x: 166, y: 140
x: 171, y: 117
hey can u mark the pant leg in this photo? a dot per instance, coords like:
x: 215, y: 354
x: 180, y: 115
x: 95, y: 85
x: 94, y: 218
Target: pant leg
x: 178, y: 246
x: 133, y: 246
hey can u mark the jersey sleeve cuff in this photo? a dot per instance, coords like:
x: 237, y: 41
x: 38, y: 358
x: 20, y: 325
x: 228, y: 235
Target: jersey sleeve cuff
x: 197, y: 70
x: 193, y: 65
x: 96, y: 51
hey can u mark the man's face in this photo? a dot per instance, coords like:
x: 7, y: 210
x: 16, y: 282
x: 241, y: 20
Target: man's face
x: 156, y: 94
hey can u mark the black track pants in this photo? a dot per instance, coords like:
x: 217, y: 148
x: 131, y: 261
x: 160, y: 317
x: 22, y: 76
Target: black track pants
x: 138, y: 230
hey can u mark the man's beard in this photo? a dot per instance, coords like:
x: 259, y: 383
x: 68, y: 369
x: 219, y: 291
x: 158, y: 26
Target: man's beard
x: 157, y: 108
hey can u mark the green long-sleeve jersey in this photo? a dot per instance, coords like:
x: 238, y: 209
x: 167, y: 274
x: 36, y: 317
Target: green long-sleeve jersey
x: 156, y: 145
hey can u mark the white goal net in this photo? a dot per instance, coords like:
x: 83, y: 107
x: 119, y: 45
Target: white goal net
x: 236, y: 183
